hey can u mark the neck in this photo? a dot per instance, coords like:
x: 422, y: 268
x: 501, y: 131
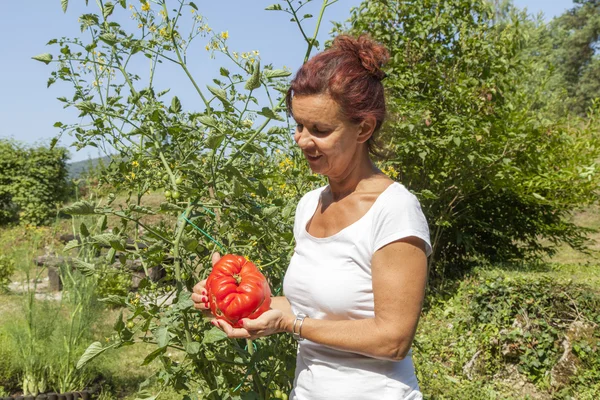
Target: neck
x: 354, y: 178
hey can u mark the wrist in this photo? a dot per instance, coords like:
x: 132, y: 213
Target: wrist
x: 287, y: 322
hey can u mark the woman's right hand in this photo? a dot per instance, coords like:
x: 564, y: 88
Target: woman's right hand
x: 200, y: 295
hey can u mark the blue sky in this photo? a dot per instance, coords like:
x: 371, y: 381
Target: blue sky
x: 28, y: 109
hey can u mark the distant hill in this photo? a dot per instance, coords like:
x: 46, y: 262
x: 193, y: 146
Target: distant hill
x: 78, y: 168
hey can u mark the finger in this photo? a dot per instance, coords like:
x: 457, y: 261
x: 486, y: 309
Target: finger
x: 200, y: 287
x: 199, y: 298
x: 215, y: 258
x: 232, y: 332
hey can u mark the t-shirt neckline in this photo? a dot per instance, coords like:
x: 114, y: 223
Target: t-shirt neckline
x: 347, y: 228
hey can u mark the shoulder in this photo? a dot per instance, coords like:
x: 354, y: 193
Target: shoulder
x: 397, y: 196
x: 309, y: 196
x: 399, y: 215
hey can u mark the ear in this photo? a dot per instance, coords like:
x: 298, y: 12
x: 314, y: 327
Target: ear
x: 366, y: 129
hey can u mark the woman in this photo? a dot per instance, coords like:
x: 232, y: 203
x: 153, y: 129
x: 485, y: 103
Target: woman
x: 355, y: 284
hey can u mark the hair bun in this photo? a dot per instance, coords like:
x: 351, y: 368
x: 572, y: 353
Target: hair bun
x: 371, y: 54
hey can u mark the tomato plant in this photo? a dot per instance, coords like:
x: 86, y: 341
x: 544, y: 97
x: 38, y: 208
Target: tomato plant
x: 227, y: 168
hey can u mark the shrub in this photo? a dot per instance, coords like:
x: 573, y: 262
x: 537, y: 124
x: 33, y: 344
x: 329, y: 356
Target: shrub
x: 7, y: 268
x: 473, y: 131
x: 32, y: 182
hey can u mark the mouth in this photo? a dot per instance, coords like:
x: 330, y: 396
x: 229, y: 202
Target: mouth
x: 312, y: 157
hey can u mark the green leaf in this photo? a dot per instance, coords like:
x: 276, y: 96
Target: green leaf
x: 108, y: 9
x: 207, y: 120
x: 219, y: 94
x: 102, y: 224
x: 109, y: 239
x: 82, y: 207
x: 162, y: 336
x: 254, y: 81
x: 214, y: 141
x: 267, y: 112
x: 152, y: 356
x: 64, y: 4
x: 93, y: 351
x: 192, y: 347
x: 110, y: 256
x: 276, y: 73
x: 108, y: 38
x: 166, y: 207
x: 44, y: 57
x: 83, y: 230
x: 53, y: 143
x: 141, y: 210
x: 71, y: 245
x: 194, y: 6
x: 274, y: 7
x: 175, y: 105
x: 214, y: 335
x: 85, y: 268
x: 224, y: 71
x: 119, y: 324
x: 123, y: 3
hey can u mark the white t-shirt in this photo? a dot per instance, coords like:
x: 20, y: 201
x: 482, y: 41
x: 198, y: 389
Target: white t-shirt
x: 330, y: 278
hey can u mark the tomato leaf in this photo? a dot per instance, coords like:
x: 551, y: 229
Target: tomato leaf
x: 45, y: 58
x: 192, y: 347
x: 214, y: 335
x: 93, y: 351
x: 85, y: 268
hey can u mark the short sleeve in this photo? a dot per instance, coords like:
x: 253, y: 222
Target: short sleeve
x: 400, y: 216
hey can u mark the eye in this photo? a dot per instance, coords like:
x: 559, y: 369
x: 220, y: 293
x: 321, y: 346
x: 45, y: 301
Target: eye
x: 318, y: 131
x: 299, y: 127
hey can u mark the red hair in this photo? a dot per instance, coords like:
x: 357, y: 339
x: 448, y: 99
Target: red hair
x: 350, y: 72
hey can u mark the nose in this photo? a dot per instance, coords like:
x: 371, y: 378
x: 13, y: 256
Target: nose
x: 303, y: 139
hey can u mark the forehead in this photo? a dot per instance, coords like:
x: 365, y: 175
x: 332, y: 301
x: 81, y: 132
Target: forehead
x: 316, y: 108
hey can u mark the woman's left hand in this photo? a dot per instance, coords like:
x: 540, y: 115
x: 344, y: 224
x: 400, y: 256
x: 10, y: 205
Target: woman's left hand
x: 270, y: 322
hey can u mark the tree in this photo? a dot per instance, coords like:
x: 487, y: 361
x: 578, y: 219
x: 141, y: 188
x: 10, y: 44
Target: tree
x: 576, y: 53
x: 495, y: 168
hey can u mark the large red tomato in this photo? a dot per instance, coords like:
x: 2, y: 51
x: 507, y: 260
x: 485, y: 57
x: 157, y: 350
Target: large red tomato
x: 237, y: 289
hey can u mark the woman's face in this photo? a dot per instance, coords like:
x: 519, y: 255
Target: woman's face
x: 330, y: 142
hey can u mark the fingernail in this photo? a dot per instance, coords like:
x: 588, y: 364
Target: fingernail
x: 203, y: 292
x: 215, y: 323
x: 203, y: 299
x: 206, y: 304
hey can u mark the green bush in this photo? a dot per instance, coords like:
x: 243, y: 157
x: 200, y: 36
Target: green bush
x: 7, y: 268
x: 33, y: 181
x: 496, y: 329
x: 473, y: 130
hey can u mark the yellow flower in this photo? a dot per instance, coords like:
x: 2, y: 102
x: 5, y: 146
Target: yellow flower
x: 135, y: 164
x: 207, y: 47
x: 153, y: 28
x: 225, y: 35
x: 163, y: 31
x: 145, y: 6
x: 256, y: 53
x: 132, y: 175
x: 131, y: 6
x: 140, y: 25
x: 235, y: 55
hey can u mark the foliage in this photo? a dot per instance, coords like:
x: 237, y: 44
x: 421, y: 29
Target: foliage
x: 576, y: 37
x: 50, y: 337
x: 7, y: 268
x: 229, y: 176
x: 497, y: 330
x: 32, y: 182
x: 473, y: 133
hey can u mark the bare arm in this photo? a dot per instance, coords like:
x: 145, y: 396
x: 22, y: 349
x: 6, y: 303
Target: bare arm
x: 399, y: 272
